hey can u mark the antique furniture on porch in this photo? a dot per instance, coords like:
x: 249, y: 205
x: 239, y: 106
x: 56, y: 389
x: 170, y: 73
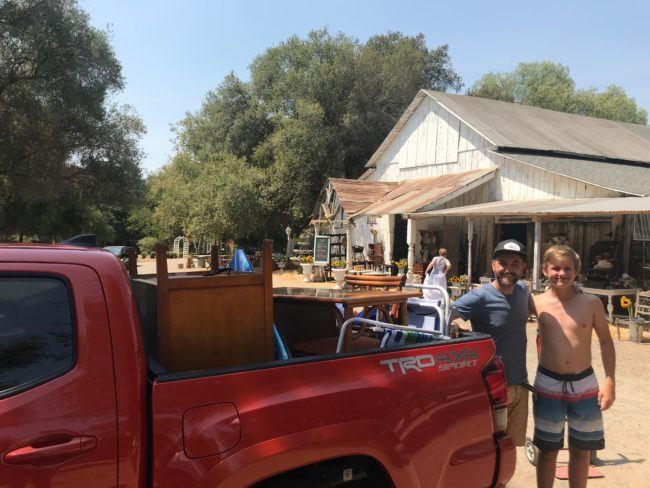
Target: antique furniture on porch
x: 309, y: 318
x: 609, y: 293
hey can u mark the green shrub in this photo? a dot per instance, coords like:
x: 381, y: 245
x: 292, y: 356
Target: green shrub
x: 147, y: 245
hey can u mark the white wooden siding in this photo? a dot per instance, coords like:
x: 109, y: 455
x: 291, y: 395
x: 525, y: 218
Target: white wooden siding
x: 519, y: 181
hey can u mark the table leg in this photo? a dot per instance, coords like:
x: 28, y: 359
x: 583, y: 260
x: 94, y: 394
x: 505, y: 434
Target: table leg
x: 349, y: 312
x: 403, y: 310
x: 610, y: 309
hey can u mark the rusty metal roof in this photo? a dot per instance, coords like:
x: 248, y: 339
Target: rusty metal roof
x: 512, y: 125
x: 355, y: 195
x: 418, y: 194
x: 550, y: 207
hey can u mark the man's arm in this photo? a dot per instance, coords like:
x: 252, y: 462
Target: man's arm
x: 464, y: 308
x: 607, y: 393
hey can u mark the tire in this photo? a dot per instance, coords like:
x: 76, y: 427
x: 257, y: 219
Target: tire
x: 531, y: 451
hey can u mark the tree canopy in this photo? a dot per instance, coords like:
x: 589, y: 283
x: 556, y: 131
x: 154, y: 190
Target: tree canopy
x: 69, y: 160
x: 252, y: 160
x: 549, y: 85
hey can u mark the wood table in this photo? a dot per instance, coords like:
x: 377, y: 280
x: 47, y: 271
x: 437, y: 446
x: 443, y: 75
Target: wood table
x: 609, y: 293
x: 347, y: 298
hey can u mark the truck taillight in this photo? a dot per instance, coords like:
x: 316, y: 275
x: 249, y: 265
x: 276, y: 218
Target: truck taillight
x: 495, y: 380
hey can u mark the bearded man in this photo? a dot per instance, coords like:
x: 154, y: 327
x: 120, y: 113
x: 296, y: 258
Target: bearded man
x: 501, y: 309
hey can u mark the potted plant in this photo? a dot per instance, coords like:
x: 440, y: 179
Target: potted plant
x: 402, y: 266
x: 338, y: 271
x: 307, y: 264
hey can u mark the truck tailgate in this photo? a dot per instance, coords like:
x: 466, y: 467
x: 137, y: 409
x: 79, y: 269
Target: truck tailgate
x: 423, y: 413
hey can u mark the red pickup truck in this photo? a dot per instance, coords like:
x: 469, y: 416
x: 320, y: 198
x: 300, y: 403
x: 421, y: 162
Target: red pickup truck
x: 82, y: 406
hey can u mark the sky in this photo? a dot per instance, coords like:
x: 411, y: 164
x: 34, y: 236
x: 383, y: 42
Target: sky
x: 174, y: 52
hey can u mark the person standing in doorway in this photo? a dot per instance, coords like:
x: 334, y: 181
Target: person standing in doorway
x: 501, y: 309
x: 436, y: 274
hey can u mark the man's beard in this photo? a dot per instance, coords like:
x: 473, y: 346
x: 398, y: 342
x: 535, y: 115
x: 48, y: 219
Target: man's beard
x: 507, y: 279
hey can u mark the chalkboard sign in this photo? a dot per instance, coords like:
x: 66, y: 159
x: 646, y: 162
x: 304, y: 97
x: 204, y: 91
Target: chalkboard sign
x: 322, y: 250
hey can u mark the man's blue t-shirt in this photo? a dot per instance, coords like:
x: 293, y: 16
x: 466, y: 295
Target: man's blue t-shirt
x: 504, y: 318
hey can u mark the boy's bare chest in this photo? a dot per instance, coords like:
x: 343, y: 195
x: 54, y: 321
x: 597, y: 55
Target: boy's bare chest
x: 572, y: 317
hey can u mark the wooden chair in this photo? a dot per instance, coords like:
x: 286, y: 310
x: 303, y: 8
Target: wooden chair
x: 643, y: 305
x: 371, y: 282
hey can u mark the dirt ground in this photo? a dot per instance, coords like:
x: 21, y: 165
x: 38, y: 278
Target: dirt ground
x: 625, y: 461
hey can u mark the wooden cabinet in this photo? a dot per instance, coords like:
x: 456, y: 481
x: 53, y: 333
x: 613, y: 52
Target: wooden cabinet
x: 194, y: 321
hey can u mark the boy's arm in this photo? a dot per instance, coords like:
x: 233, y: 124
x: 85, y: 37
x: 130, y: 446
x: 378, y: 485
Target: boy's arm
x: 532, y: 310
x: 607, y: 394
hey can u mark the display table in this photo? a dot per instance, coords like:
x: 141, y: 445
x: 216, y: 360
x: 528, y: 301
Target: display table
x: 609, y: 293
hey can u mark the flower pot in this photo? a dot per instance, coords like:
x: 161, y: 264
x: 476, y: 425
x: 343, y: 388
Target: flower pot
x: 339, y: 276
x: 306, y: 270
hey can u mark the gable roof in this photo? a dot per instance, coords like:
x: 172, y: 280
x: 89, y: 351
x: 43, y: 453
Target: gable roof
x: 624, y: 177
x: 418, y: 194
x: 516, y: 126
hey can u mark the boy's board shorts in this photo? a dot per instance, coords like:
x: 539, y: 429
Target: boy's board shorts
x: 572, y: 398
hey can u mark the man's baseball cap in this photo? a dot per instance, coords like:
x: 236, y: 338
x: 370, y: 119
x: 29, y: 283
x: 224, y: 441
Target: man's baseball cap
x: 510, y: 245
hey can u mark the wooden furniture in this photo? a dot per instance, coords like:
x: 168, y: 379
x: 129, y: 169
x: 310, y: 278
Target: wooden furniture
x: 296, y: 309
x: 373, y: 282
x: 609, y: 293
x: 642, y: 306
x: 201, y: 321
x: 376, y: 255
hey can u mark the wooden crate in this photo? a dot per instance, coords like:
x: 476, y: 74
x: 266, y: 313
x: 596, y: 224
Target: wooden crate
x: 194, y: 321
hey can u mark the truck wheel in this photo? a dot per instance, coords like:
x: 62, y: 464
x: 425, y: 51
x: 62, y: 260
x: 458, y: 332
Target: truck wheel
x: 531, y: 451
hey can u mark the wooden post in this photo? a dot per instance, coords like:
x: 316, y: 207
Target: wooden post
x: 267, y: 272
x: 214, y: 258
x: 411, y: 231
x: 628, y: 223
x: 490, y: 244
x: 348, y: 246
x: 537, y: 246
x: 133, y: 262
x: 470, y: 237
x: 162, y: 303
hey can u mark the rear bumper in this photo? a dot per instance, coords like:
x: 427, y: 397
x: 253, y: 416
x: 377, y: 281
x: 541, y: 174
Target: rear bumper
x: 506, y: 459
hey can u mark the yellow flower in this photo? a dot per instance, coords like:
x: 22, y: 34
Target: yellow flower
x: 626, y: 302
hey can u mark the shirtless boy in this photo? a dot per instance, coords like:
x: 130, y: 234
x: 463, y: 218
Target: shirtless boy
x: 567, y: 389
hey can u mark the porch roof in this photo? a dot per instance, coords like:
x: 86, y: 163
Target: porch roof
x: 418, y: 194
x: 540, y: 208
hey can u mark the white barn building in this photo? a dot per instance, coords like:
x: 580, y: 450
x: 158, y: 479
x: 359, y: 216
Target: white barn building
x: 463, y: 172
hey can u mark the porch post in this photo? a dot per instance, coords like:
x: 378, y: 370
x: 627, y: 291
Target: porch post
x: 470, y: 236
x: 628, y: 229
x: 411, y: 231
x: 536, y: 253
x: 348, y: 246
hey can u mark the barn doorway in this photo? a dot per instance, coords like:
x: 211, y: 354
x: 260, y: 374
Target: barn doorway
x: 400, y: 248
x: 518, y: 232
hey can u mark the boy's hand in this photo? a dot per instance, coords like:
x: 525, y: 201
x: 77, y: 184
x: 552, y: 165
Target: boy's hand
x: 606, y: 394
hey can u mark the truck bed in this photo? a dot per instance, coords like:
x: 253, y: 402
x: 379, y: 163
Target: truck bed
x: 421, y: 411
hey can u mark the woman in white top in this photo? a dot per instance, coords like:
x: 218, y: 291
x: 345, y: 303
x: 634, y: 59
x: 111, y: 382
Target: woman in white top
x: 436, y: 274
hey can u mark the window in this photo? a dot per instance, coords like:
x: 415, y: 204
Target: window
x: 36, y: 331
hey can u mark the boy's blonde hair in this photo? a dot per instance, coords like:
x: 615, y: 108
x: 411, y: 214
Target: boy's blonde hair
x: 561, y: 252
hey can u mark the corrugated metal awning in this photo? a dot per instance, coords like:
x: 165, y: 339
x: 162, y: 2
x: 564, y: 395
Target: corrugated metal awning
x: 414, y: 195
x: 558, y: 207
